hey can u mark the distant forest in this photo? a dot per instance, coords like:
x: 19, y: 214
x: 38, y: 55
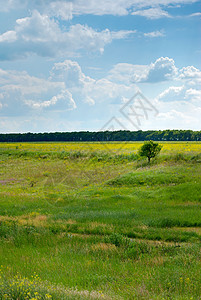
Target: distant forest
x: 104, y: 136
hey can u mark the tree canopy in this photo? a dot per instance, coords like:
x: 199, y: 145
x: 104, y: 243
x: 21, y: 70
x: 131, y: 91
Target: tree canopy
x: 103, y: 136
x: 150, y: 150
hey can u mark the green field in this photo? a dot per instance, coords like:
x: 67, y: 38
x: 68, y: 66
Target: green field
x: 95, y: 221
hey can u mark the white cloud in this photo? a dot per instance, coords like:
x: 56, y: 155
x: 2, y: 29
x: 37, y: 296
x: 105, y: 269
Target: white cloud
x: 61, y: 102
x: 191, y: 76
x: 172, y: 115
x: 95, y: 7
x: 118, y: 7
x: 17, y: 88
x: 26, y: 84
x: 69, y: 89
x: 7, y: 5
x: 189, y: 72
x: 152, y: 13
x: 154, y: 34
x: 89, y: 100
x: 176, y: 119
x: 66, y: 89
x: 66, y: 8
x: 88, y: 89
x: 36, y: 123
x: 104, y: 89
x: 41, y: 35
x: 181, y: 93
x: 163, y: 69
x: 9, y: 36
x: 180, y: 106
x: 37, y: 28
x: 60, y: 9
x: 178, y: 115
x: 71, y: 74
x: 128, y: 73
x: 193, y: 95
x: 197, y: 14
x: 173, y: 93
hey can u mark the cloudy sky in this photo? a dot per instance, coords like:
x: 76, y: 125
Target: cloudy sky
x: 97, y: 65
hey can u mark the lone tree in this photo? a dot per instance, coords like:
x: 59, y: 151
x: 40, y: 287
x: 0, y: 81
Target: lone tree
x: 150, y: 150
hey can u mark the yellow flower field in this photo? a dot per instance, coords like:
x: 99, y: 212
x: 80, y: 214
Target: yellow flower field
x: 123, y: 147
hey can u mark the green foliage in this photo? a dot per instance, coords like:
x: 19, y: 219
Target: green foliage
x: 150, y: 149
x: 116, y: 239
x: 121, y: 135
x: 136, y: 249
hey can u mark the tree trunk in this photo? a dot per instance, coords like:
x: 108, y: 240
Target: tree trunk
x: 149, y: 159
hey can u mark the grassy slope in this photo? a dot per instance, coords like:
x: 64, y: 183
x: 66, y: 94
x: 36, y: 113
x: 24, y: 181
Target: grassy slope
x: 102, y: 223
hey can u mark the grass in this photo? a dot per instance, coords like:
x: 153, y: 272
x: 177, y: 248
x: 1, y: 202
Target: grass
x: 92, y: 220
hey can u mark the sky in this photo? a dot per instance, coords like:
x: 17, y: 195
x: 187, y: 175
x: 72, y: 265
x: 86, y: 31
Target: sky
x: 100, y: 65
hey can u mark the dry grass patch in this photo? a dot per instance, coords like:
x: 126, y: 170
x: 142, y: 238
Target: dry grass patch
x: 70, y: 221
x: 31, y: 219
x: 157, y: 261
x: 94, y: 225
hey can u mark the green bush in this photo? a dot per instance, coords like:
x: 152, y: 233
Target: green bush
x: 150, y: 149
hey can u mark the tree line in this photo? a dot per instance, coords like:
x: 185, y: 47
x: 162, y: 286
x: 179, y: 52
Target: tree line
x: 103, y: 136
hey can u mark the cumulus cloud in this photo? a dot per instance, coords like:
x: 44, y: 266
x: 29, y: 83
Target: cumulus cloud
x: 173, y: 93
x: 19, y: 92
x: 66, y: 89
x: 71, y: 74
x: 182, y: 93
x: 41, y: 35
x: 88, y: 89
x: 163, y: 69
x: 194, y: 95
x: 191, y: 76
x: 61, y: 102
x: 190, y: 72
x: 189, y: 91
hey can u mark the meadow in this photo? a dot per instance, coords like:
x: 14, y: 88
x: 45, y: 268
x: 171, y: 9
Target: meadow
x: 96, y: 221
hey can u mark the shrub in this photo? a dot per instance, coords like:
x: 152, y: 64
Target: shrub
x: 150, y: 149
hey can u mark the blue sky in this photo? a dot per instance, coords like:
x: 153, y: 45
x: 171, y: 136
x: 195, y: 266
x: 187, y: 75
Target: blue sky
x: 71, y: 66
